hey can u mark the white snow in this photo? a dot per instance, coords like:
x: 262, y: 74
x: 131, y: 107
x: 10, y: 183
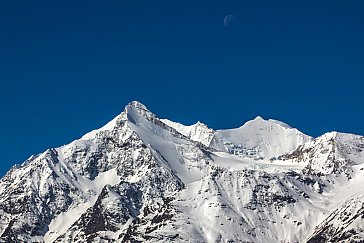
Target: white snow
x: 162, y: 141
x: 198, y: 132
x: 260, y: 139
x: 109, y: 126
x: 236, y: 163
x: 64, y: 220
x: 235, y: 186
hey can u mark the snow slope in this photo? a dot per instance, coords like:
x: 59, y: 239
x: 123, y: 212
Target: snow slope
x: 330, y: 153
x: 198, y: 132
x: 258, y: 138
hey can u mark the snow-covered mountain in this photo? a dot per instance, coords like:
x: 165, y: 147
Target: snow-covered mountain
x: 144, y: 179
x: 198, y: 132
x: 330, y: 153
x: 258, y: 138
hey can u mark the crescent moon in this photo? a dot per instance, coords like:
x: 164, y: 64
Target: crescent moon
x: 228, y: 19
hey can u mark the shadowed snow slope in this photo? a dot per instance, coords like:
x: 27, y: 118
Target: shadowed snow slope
x: 144, y: 179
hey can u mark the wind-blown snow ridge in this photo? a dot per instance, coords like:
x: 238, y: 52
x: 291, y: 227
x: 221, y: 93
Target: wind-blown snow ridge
x: 144, y: 179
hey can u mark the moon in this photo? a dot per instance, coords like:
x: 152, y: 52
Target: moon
x: 228, y: 19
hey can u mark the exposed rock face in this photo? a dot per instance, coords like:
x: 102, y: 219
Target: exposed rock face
x: 140, y: 178
x: 345, y: 224
x: 331, y: 153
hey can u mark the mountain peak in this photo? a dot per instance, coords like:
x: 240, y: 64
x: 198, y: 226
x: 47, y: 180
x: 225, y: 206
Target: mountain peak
x: 138, y: 105
x: 135, y: 110
x: 126, y: 114
x: 260, y: 139
x: 201, y: 124
x: 257, y: 121
x: 331, y: 135
x: 259, y: 118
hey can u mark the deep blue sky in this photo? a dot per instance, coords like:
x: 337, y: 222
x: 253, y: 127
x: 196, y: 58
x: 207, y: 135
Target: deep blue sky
x: 67, y: 67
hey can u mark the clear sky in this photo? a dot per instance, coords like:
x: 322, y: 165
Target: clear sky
x: 67, y: 67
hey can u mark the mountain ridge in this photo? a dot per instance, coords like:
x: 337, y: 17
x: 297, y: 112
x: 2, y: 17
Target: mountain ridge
x: 141, y: 178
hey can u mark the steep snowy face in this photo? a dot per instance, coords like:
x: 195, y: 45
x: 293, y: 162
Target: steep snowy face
x: 344, y: 224
x: 198, y: 132
x: 260, y: 139
x: 330, y: 153
x: 47, y: 194
x: 121, y: 119
x: 177, y: 151
x: 32, y: 194
x: 97, y: 185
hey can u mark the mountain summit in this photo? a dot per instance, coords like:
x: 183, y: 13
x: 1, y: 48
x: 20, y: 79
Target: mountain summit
x: 140, y: 178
